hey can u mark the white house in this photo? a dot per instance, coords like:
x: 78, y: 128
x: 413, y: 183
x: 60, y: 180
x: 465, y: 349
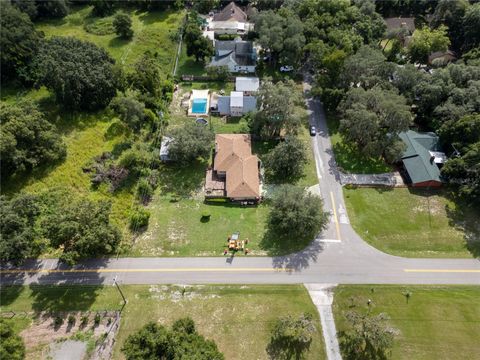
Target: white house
x: 247, y: 85
x: 236, y: 104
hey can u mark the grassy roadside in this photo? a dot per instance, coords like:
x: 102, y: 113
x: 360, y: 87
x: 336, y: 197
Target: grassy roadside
x: 411, y: 223
x: 237, y: 318
x: 438, y: 322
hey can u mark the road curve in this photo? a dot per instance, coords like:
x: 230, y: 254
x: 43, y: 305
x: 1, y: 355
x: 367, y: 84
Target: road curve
x: 339, y: 256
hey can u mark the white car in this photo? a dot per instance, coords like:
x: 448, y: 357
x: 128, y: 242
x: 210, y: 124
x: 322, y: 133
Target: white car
x: 286, y: 68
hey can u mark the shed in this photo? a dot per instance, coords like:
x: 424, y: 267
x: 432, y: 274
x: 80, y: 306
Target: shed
x: 247, y: 84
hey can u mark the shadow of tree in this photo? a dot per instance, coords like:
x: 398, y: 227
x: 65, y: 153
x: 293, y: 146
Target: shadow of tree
x: 12, y: 283
x: 278, y: 349
x: 294, y: 255
x: 466, y: 218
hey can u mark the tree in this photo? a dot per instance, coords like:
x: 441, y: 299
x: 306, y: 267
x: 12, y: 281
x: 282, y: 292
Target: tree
x: 296, y: 215
x: 450, y: 13
x: 281, y: 33
x: 276, y: 103
x: 220, y: 73
x: 56, y: 9
x: 367, y: 68
x: 27, y: 139
x: 463, y: 171
x: 205, y: 6
x: 291, y: 337
x: 367, y: 337
x: 197, y: 45
x: 78, y: 72
x: 471, y: 24
x: 425, y: 41
x: 82, y: 229
x: 103, y: 7
x: 11, y: 344
x: 372, y: 119
x: 146, y: 75
x: 17, y: 228
x: 286, y: 161
x: 18, y: 41
x: 190, y: 142
x: 129, y: 110
x: 154, y: 341
x: 123, y: 25
x: 29, y: 7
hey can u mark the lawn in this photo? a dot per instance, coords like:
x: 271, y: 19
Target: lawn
x: 188, y: 66
x: 438, y: 322
x: 237, y: 318
x: 152, y: 32
x: 348, y: 158
x: 412, y: 223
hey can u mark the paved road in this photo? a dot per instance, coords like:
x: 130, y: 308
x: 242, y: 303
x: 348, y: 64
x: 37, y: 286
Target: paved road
x: 340, y: 256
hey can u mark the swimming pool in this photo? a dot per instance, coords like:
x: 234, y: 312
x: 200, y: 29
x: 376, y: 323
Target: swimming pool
x: 199, y: 106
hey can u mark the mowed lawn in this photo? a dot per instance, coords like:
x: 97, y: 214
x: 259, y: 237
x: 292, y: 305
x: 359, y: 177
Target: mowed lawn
x: 411, y: 223
x: 348, y: 159
x: 438, y: 322
x: 238, y: 318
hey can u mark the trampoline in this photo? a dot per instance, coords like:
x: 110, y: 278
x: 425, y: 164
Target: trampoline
x: 199, y: 106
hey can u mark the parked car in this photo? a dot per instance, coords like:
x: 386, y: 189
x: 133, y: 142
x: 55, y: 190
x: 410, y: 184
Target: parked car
x: 313, y: 131
x: 286, y: 68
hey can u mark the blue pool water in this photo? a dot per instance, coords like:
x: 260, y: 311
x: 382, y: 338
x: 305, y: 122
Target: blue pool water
x: 199, y: 106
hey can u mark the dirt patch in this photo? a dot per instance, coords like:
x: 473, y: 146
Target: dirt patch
x: 176, y: 234
x: 68, y: 350
x: 46, y: 336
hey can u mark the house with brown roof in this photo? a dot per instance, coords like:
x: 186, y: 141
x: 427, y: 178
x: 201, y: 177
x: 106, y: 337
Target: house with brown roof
x: 235, y: 172
x: 231, y: 12
x: 231, y: 20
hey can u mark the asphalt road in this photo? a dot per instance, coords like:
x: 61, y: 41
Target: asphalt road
x: 339, y: 256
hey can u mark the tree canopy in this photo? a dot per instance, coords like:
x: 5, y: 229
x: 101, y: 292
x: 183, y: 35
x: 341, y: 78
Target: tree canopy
x: 296, y: 215
x: 281, y: 33
x: 11, y: 344
x: 123, y: 25
x: 18, y: 40
x: 286, y: 161
x: 27, y: 139
x: 130, y: 111
x: 426, y: 41
x: 372, y: 120
x: 197, y: 45
x: 82, y: 228
x: 17, y: 228
x: 190, y: 142
x: 182, y: 342
x: 78, y: 72
x: 291, y: 337
x: 367, y: 337
x: 276, y: 105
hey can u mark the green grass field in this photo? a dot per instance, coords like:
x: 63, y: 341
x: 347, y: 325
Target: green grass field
x: 237, y: 318
x: 348, y: 158
x: 411, y: 223
x: 151, y: 33
x: 438, y: 322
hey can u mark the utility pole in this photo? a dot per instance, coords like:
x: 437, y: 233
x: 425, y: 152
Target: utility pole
x: 121, y: 293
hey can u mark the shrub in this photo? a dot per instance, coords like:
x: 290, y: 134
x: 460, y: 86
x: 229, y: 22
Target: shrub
x: 84, y: 320
x: 71, y: 320
x: 97, y: 319
x: 144, y: 190
x: 139, y: 219
x: 58, y: 321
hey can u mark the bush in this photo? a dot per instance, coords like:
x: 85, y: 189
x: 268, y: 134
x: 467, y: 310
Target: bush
x: 144, y: 190
x: 139, y: 219
x: 96, y: 320
x: 71, y: 320
x: 123, y: 25
x: 84, y: 320
x: 58, y: 321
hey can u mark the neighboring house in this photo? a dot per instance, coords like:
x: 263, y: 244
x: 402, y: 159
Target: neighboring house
x: 231, y: 20
x: 235, y: 174
x: 247, y: 85
x: 400, y: 23
x: 422, y: 159
x: 237, y: 55
x: 441, y: 58
x: 164, y: 153
x: 235, y: 105
x: 231, y: 12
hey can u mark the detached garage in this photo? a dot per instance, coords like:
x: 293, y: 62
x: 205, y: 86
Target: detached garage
x: 422, y: 159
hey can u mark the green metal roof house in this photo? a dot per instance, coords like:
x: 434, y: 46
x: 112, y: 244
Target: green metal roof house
x: 422, y: 159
